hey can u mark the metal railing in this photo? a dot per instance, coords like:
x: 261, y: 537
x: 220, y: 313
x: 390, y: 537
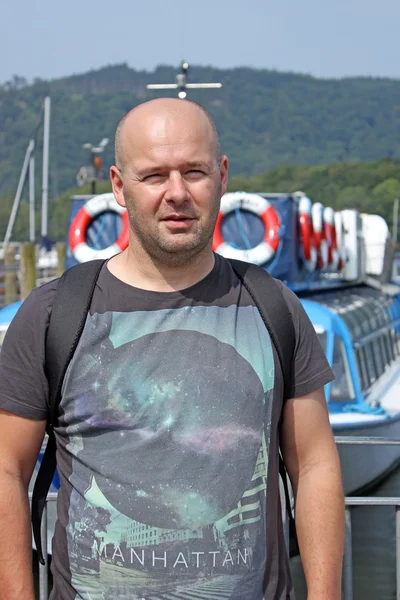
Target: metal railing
x: 348, y: 554
x: 350, y: 501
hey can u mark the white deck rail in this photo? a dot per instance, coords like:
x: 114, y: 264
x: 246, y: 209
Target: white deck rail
x: 347, y: 580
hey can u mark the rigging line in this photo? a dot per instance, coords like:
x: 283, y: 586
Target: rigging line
x: 100, y: 231
x: 241, y: 228
x: 38, y: 126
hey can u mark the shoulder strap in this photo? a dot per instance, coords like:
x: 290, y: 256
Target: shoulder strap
x: 269, y: 300
x: 68, y: 316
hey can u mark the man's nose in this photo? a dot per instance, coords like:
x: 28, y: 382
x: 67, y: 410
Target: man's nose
x: 176, y: 189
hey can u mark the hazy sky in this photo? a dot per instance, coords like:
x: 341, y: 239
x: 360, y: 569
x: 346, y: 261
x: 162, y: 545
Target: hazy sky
x: 331, y: 38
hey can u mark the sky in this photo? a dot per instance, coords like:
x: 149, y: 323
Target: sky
x: 48, y: 39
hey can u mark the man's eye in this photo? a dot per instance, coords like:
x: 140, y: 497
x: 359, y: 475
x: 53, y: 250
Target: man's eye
x: 154, y: 177
x: 194, y: 173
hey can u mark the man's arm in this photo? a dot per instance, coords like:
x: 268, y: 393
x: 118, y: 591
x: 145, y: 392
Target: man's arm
x: 20, y: 442
x: 312, y: 461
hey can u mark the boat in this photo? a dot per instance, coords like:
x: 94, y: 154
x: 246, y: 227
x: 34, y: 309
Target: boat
x: 359, y: 330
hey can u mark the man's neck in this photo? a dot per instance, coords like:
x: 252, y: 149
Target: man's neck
x: 155, y: 277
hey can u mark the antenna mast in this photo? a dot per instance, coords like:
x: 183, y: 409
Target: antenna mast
x: 181, y: 83
x: 45, y: 168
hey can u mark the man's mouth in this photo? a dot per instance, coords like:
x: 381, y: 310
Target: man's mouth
x: 178, y: 223
x: 178, y: 218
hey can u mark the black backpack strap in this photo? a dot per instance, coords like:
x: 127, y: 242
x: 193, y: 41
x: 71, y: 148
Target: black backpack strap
x: 68, y: 316
x: 293, y: 543
x: 268, y: 298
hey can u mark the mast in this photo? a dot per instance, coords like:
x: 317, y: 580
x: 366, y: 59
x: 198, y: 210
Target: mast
x: 92, y: 172
x: 32, y: 198
x: 181, y: 83
x: 18, y: 194
x: 45, y: 172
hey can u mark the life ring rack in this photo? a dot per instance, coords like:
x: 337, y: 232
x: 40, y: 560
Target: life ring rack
x: 317, y: 213
x: 266, y: 249
x: 80, y: 223
x: 307, y: 235
x: 330, y: 229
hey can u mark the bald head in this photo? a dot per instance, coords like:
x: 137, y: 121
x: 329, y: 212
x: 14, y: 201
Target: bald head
x: 143, y: 119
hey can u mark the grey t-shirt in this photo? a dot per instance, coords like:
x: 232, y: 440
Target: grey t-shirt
x: 167, y: 440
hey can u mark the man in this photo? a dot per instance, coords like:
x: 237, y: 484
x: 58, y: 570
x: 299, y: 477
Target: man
x: 171, y: 407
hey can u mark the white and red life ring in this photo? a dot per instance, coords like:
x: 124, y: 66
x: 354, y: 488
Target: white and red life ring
x: 317, y: 212
x: 265, y: 250
x: 331, y: 237
x: 308, y: 242
x: 80, y: 223
x: 339, y: 227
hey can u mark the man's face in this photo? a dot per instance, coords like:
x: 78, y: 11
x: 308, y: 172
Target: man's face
x: 172, y: 183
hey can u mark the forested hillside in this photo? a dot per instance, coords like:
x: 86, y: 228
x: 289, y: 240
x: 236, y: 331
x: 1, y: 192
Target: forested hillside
x: 266, y: 119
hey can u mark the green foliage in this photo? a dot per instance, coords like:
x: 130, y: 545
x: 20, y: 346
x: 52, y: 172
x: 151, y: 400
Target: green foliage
x: 265, y: 118
x: 271, y: 124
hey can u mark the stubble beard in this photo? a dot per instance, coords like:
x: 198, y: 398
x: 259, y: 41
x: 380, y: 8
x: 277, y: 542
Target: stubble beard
x: 173, y: 249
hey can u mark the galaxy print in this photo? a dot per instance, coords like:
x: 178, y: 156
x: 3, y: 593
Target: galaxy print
x: 167, y: 416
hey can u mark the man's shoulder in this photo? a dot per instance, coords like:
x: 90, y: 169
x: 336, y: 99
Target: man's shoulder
x: 43, y: 296
x: 34, y: 312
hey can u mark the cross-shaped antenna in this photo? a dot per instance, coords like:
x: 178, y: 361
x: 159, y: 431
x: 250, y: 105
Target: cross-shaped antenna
x: 181, y: 83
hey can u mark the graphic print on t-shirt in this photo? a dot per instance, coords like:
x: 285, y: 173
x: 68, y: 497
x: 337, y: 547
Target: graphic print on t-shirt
x: 169, y: 430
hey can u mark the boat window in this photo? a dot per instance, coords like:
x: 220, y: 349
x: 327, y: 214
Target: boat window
x: 397, y: 338
x: 384, y: 340
x: 342, y: 389
x: 362, y: 369
x: 393, y: 342
x: 387, y: 342
x: 383, y: 352
x: 384, y: 349
x: 367, y: 318
x: 370, y: 362
x: 378, y: 356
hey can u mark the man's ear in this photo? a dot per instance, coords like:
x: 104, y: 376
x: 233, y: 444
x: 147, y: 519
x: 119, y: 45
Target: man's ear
x: 117, y: 185
x: 223, y: 169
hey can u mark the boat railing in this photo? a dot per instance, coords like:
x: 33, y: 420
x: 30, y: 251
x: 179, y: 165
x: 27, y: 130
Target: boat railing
x: 347, y: 579
x: 357, y: 440
x: 350, y: 502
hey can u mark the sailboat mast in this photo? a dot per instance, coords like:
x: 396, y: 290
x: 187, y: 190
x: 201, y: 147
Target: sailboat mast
x: 45, y: 172
x: 32, y: 198
x: 18, y: 195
